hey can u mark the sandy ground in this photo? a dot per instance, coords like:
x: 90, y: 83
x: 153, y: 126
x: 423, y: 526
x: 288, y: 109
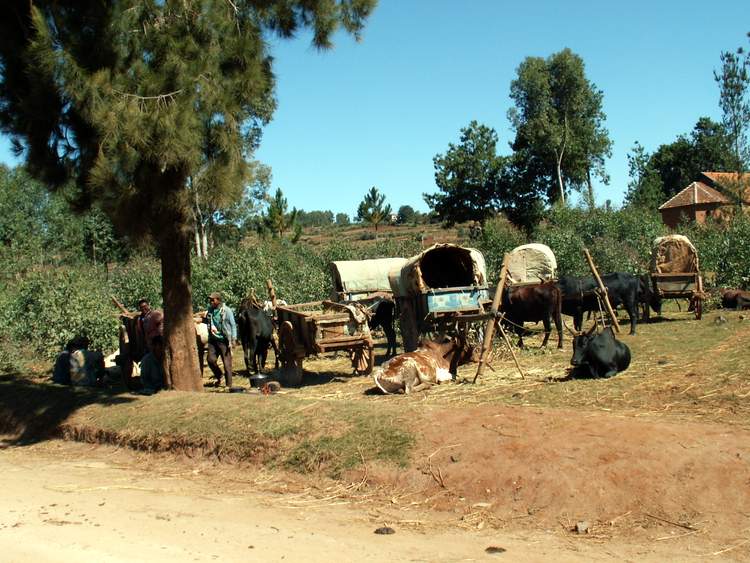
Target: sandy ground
x: 66, y: 501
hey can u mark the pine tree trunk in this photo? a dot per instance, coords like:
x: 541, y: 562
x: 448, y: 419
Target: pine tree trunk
x: 591, y: 189
x: 181, y: 356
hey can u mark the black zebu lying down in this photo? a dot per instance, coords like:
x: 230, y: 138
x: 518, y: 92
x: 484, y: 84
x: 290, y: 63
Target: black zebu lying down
x: 533, y: 303
x: 599, y: 354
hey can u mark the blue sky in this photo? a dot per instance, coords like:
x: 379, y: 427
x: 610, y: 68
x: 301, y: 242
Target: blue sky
x: 375, y: 113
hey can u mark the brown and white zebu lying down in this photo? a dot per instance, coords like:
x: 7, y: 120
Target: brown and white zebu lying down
x: 432, y: 362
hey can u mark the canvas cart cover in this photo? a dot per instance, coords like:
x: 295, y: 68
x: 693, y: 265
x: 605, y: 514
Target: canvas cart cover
x: 673, y: 254
x: 440, y: 266
x: 364, y: 276
x: 531, y: 263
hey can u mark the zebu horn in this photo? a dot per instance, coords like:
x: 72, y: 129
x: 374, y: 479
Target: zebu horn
x: 570, y: 330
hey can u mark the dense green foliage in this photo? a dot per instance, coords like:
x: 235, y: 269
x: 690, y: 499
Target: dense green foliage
x: 620, y: 241
x: 47, y: 305
x: 467, y: 177
x: 314, y: 218
x: 672, y: 167
x: 475, y: 183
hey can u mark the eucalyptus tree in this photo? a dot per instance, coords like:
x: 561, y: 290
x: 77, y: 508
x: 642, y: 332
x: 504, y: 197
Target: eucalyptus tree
x: 131, y: 99
x: 734, y: 99
x: 559, y: 122
x: 234, y: 206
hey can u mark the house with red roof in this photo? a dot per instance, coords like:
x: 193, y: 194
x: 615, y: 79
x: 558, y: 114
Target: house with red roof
x: 714, y: 195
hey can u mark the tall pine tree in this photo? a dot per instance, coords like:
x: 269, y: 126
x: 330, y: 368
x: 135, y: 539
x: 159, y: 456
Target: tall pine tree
x: 131, y: 99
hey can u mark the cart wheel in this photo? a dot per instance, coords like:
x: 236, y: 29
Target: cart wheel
x: 291, y: 363
x: 698, y: 308
x: 363, y: 359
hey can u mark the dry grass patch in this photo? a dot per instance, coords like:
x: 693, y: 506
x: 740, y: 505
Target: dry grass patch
x: 277, y: 430
x: 697, y: 369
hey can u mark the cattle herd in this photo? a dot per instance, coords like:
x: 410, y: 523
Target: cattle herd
x: 596, y: 352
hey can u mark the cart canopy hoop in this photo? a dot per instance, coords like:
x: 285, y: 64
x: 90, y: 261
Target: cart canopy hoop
x: 673, y: 254
x: 531, y: 263
x: 353, y: 279
x: 441, y: 266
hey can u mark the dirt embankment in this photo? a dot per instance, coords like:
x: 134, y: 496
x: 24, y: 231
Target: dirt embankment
x: 545, y: 467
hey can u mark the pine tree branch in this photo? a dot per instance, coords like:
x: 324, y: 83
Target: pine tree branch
x: 158, y: 97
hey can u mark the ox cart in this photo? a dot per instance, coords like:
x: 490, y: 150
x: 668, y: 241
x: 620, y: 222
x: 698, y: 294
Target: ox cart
x: 675, y: 273
x: 444, y: 285
x: 365, y: 282
x: 322, y: 326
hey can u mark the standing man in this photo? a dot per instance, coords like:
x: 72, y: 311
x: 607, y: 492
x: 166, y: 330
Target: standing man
x: 152, y: 367
x: 150, y: 324
x: 222, y: 332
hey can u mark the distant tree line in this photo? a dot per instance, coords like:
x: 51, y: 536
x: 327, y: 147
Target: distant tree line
x: 561, y: 143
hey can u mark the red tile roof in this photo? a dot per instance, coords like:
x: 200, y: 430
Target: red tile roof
x: 726, y: 177
x: 728, y: 181
x: 695, y: 193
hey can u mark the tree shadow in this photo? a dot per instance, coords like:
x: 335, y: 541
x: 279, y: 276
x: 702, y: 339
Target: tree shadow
x: 312, y: 378
x: 32, y: 412
x: 659, y: 320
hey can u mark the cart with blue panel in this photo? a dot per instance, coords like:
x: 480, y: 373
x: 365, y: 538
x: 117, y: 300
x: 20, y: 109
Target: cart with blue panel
x: 442, y: 289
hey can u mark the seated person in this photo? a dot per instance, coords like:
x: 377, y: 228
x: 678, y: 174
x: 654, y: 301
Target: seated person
x: 77, y: 365
x: 86, y: 366
x: 152, y: 367
x: 61, y: 371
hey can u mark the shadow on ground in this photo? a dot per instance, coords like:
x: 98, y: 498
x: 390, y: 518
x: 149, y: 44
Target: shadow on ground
x: 32, y: 412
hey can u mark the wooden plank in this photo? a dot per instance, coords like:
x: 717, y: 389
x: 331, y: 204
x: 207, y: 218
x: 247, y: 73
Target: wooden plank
x: 603, y: 289
x: 341, y: 340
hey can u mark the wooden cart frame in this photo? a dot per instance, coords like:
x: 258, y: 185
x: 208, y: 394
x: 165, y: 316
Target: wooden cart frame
x: 683, y: 285
x: 675, y: 271
x: 317, y: 327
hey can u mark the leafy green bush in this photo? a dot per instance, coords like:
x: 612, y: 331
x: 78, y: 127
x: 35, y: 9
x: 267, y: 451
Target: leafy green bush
x: 54, y: 305
x: 48, y: 305
x: 723, y: 249
x: 135, y: 280
x: 498, y: 237
x: 619, y: 241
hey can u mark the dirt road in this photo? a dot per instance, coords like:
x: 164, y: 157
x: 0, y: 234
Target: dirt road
x: 65, y: 501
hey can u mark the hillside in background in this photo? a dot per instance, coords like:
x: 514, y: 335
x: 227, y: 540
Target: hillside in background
x: 364, y: 235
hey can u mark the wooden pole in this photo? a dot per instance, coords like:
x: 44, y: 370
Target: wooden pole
x: 271, y: 293
x: 489, y: 330
x: 510, y: 347
x: 120, y: 306
x: 603, y: 289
